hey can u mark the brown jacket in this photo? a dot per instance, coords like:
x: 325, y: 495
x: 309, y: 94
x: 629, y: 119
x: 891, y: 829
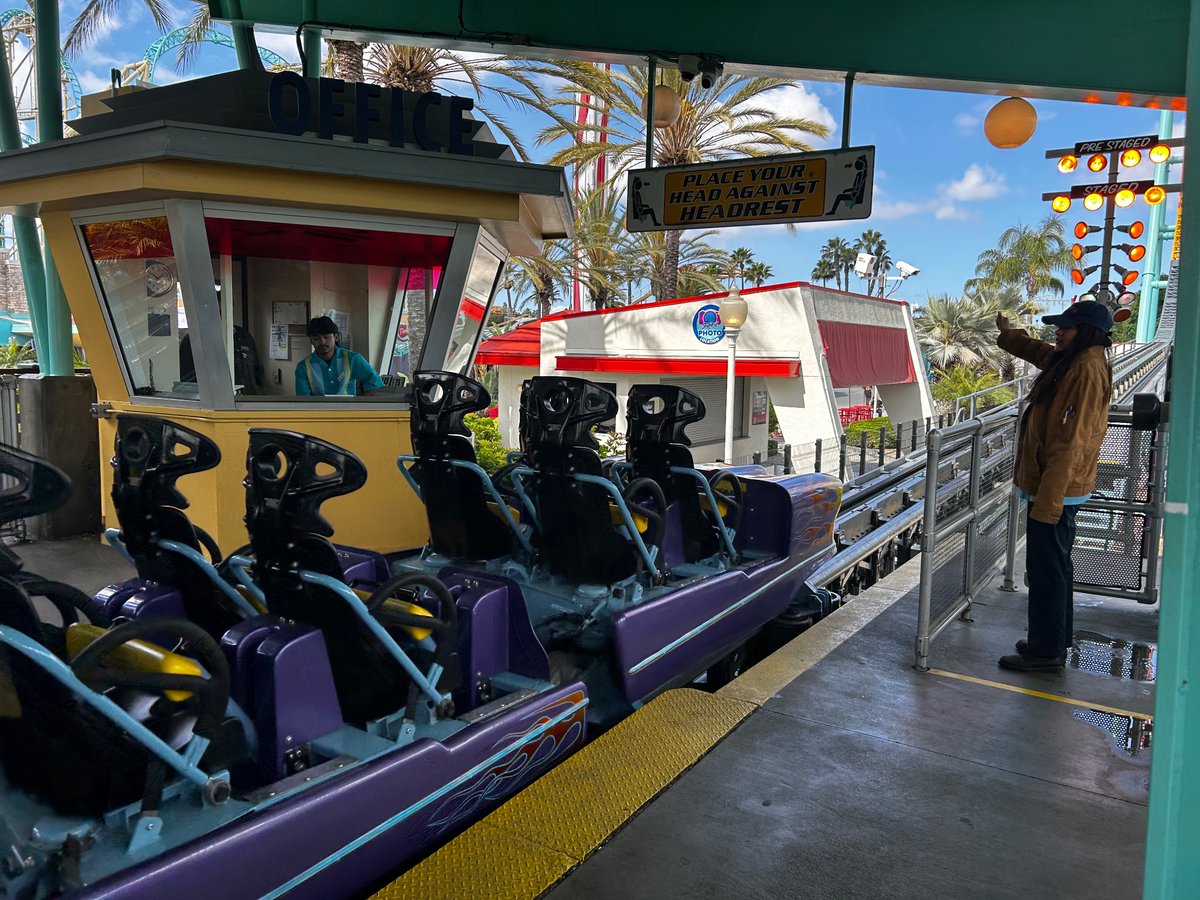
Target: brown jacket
x: 1059, y: 445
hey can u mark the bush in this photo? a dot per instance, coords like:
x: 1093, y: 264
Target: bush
x: 871, y: 427
x: 490, y: 453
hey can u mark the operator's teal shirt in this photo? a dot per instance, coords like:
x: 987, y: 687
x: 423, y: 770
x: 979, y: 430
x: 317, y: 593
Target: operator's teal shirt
x: 342, y: 375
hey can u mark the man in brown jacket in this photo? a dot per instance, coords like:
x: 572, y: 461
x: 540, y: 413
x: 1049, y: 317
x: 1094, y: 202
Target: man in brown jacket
x: 1058, y: 450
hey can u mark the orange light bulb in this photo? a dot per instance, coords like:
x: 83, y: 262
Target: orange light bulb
x: 1097, y: 162
x: 1077, y: 251
x: 1068, y: 164
x: 1129, y: 278
x: 1124, y: 198
x: 1137, y: 252
x: 1131, y: 157
x: 1077, y: 276
x: 1081, y: 230
x: 1093, y: 202
x: 1061, y: 203
x: 1160, y: 153
x: 1136, y: 230
x: 1155, y: 195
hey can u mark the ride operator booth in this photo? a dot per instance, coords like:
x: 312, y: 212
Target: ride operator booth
x: 211, y: 234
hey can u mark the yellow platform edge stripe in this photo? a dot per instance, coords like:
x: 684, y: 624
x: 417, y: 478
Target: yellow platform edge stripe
x: 538, y: 836
x: 1084, y: 704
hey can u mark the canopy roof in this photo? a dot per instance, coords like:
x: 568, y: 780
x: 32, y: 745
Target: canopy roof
x: 1102, y: 51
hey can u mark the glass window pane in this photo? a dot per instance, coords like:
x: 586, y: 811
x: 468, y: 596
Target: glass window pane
x: 482, y: 279
x: 375, y: 287
x: 135, y: 264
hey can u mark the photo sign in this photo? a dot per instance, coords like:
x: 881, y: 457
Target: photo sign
x: 801, y: 187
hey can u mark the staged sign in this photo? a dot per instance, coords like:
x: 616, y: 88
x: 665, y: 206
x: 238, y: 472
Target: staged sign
x: 801, y: 187
x: 706, y: 324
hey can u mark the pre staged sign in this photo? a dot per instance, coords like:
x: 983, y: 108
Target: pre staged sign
x: 800, y: 187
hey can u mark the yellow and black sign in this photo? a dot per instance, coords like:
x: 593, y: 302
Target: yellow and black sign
x: 834, y: 184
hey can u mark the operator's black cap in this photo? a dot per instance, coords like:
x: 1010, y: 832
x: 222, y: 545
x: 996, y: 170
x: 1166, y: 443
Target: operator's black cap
x: 1086, y: 312
x: 321, y: 325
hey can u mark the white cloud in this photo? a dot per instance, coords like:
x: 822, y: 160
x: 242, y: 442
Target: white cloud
x: 883, y: 208
x: 283, y: 44
x: 90, y: 83
x: 798, y: 102
x: 949, y: 211
x: 966, y: 123
x: 977, y: 183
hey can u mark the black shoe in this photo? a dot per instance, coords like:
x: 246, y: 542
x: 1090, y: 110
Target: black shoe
x: 1018, y: 662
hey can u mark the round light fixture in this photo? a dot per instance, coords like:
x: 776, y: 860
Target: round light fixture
x: 1010, y: 123
x: 1126, y: 298
x: 1082, y: 230
x: 1061, y: 203
x: 1077, y: 251
x: 1155, y: 195
x: 1160, y: 153
x: 734, y: 310
x: 667, y: 106
x: 1068, y: 164
x: 1136, y: 230
x: 1131, y: 157
x: 1130, y: 277
x: 1077, y: 276
x: 1093, y: 202
x: 1124, y: 198
x: 1121, y: 315
x: 1097, y: 162
x: 1136, y: 252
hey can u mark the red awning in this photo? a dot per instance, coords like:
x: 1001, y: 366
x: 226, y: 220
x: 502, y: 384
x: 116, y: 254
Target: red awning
x: 866, y: 354
x: 519, y: 347
x: 666, y: 365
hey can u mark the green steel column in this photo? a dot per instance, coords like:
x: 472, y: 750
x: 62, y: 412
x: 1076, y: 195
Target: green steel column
x: 312, y: 42
x: 1148, y: 305
x: 54, y: 351
x: 1173, y: 831
x: 243, y: 39
x: 25, y: 234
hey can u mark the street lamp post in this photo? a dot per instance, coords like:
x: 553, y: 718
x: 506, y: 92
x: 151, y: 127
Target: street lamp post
x: 733, y: 317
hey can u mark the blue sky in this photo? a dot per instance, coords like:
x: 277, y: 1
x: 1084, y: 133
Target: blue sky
x: 942, y: 194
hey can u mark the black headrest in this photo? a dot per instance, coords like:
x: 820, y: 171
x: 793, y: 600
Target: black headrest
x: 288, y: 477
x: 561, y: 411
x: 36, y: 487
x: 151, y: 454
x: 658, y: 413
x: 441, y: 399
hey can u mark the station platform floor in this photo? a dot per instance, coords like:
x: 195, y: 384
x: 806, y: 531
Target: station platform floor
x: 833, y: 769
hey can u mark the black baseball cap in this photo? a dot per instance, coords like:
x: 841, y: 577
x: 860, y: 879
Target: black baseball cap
x: 1086, y: 312
x: 321, y: 325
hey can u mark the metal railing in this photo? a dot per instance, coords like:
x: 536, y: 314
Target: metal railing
x: 973, y: 519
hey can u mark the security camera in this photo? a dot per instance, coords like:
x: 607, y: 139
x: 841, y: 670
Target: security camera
x: 689, y: 66
x: 908, y: 271
x: 711, y: 68
x: 707, y: 66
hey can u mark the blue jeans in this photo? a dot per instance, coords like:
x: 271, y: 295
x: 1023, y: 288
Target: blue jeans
x: 1051, y: 576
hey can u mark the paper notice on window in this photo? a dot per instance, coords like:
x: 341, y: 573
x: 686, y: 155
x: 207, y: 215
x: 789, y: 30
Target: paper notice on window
x: 279, y: 342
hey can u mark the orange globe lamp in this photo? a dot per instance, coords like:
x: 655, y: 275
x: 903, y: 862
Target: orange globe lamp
x: 1010, y: 123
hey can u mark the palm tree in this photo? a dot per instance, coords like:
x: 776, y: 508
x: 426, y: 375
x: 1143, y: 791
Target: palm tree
x: 1028, y: 256
x: 95, y: 13
x: 540, y: 279
x: 962, y: 380
x: 739, y: 261
x: 699, y: 269
x: 425, y: 69
x: 955, y: 330
x: 758, y: 273
x: 728, y: 120
x: 841, y: 256
x: 824, y: 271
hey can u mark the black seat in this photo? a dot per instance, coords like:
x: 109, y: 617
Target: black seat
x: 658, y: 415
x: 576, y: 532
x: 151, y: 455
x: 288, y: 477
x: 461, y: 524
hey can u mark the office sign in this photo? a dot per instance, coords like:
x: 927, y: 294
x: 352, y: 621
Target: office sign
x: 801, y: 187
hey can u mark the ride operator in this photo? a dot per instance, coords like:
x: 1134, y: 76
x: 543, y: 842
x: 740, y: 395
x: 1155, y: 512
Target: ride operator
x: 331, y: 370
